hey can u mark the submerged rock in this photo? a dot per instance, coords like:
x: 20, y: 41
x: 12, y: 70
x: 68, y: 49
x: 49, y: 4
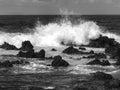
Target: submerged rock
x: 82, y: 48
x: 32, y: 54
x: 71, y: 50
x: 53, y: 49
x: 102, y: 76
x: 6, y: 64
x: 98, y: 62
x: 59, y: 62
x: 26, y: 46
x: 7, y: 46
x: 97, y: 55
x: 28, y: 54
x: 40, y: 54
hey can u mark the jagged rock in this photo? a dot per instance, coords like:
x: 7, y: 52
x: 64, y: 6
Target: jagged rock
x: 32, y: 54
x: 53, y: 49
x: 113, y: 51
x: 26, y: 46
x: 101, y: 42
x: 28, y: 54
x: 98, y: 62
x: 59, y: 62
x: 71, y: 50
x: 97, y: 55
x: 91, y: 52
x: 102, y: 76
x: 40, y: 54
x: 6, y: 64
x: 7, y: 46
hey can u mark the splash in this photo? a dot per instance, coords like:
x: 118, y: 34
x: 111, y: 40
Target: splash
x: 53, y: 34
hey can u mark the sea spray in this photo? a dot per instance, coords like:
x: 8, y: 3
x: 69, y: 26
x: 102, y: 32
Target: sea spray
x: 53, y: 34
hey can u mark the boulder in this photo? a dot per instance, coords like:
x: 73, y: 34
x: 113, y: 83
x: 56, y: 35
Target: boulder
x: 32, y: 54
x: 71, y: 50
x: 102, y: 76
x: 101, y: 42
x: 6, y: 64
x: 98, y: 62
x: 53, y: 49
x: 28, y: 54
x: 26, y: 46
x: 7, y: 46
x: 40, y: 54
x: 113, y: 51
x: 91, y: 52
x: 59, y: 62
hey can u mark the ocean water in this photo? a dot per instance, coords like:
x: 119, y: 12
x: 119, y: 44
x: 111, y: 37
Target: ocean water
x: 47, y: 32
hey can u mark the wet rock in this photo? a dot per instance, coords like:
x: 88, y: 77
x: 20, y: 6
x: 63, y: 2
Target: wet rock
x: 6, y: 64
x: 23, y: 62
x: 26, y: 46
x: 97, y: 55
x: 53, y: 49
x: 98, y: 62
x: 113, y: 51
x: 101, y: 42
x: 28, y: 54
x: 40, y: 54
x: 35, y: 88
x: 59, y: 62
x: 32, y: 54
x: 80, y: 88
x: 7, y: 46
x: 113, y: 83
x: 71, y: 50
x: 82, y: 48
x: 102, y: 76
x: 91, y: 52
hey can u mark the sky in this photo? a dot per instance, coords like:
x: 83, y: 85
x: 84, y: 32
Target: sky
x: 80, y: 7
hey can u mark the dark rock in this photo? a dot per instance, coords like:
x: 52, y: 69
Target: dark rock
x: 6, y: 64
x: 113, y: 83
x: 102, y: 76
x: 80, y: 88
x: 53, y: 49
x: 7, y: 46
x: 28, y: 54
x: 113, y: 51
x: 59, y: 62
x: 82, y: 48
x: 26, y: 46
x: 97, y: 55
x: 71, y: 50
x: 23, y: 62
x: 98, y: 62
x: 101, y: 42
x: 117, y: 62
x: 32, y: 54
x: 35, y: 88
x: 91, y: 52
x: 40, y: 54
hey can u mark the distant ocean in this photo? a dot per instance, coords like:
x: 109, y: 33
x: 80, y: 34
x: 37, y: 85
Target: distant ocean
x: 18, y: 23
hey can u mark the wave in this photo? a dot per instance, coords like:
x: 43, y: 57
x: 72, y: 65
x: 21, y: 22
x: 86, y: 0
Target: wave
x: 53, y: 34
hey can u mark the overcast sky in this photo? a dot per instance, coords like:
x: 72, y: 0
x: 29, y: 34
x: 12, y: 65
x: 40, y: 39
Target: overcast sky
x: 59, y: 7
